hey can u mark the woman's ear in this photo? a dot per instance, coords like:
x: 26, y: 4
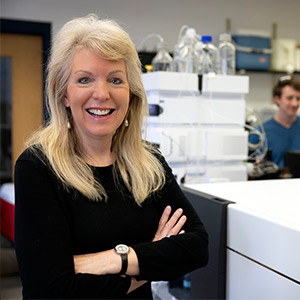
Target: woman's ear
x: 66, y: 101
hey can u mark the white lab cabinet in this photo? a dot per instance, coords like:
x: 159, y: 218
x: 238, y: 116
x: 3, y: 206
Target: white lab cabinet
x: 263, y: 237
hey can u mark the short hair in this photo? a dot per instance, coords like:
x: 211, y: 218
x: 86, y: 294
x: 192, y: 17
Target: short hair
x: 283, y: 81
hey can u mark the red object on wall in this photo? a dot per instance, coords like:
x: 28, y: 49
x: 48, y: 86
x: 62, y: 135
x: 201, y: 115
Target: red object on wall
x: 7, y: 210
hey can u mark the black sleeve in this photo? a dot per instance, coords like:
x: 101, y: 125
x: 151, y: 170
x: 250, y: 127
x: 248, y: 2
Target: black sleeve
x: 43, y: 242
x: 175, y: 256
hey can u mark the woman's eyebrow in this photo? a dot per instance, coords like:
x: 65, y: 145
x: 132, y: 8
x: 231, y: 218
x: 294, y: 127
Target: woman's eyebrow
x: 91, y: 73
x: 83, y: 71
x: 116, y: 71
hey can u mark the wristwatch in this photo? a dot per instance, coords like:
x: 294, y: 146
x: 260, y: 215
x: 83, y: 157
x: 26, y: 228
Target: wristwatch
x: 123, y: 250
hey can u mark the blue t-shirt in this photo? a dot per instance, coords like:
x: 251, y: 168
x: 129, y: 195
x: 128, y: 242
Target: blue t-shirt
x: 281, y: 139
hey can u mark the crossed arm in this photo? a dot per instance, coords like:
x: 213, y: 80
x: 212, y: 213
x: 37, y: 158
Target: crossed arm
x: 108, y: 262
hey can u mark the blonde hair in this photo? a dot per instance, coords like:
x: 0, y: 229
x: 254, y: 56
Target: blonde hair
x: 137, y: 161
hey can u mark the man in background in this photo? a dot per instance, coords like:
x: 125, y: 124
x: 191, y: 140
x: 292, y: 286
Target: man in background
x: 283, y: 130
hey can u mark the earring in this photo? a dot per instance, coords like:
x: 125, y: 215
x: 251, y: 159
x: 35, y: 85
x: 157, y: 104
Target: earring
x: 126, y: 123
x: 69, y: 125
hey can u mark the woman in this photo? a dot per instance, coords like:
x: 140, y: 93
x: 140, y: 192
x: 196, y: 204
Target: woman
x: 94, y: 202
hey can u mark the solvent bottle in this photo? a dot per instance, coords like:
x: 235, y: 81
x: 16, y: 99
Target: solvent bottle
x: 184, y: 52
x: 162, y: 61
x: 208, y: 58
x: 227, y: 55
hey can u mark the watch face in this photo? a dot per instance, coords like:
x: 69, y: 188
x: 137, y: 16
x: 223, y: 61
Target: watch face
x: 122, y: 249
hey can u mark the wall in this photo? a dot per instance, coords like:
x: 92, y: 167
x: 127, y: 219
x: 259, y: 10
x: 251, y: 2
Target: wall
x: 142, y: 17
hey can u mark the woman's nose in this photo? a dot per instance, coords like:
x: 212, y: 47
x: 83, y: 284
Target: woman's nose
x: 101, y: 91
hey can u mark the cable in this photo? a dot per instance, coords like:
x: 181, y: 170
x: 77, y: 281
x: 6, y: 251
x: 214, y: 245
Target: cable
x: 260, y: 148
x: 181, y: 32
x: 161, y: 40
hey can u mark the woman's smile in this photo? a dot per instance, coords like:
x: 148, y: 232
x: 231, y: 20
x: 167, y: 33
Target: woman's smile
x: 99, y: 112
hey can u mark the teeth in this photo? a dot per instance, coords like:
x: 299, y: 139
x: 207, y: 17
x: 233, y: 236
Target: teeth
x: 99, y: 112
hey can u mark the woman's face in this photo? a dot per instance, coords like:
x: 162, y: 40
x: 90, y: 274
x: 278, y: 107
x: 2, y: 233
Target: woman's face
x: 98, y: 96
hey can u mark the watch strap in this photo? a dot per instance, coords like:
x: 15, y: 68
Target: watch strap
x: 124, y: 263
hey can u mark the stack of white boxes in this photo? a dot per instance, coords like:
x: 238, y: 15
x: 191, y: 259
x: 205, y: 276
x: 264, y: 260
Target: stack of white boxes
x: 198, y: 124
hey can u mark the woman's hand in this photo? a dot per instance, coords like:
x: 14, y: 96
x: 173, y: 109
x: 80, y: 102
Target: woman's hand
x: 105, y: 262
x: 108, y: 262
x: 100, y: 263
x: 135, y: 284
x: 166, y: 227
x: 170, y: 226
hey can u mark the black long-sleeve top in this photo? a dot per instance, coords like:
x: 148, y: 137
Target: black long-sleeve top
x: 52, y: 224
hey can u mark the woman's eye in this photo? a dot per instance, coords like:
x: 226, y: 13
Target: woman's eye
x: 116, y: 81
x: 83, y: 80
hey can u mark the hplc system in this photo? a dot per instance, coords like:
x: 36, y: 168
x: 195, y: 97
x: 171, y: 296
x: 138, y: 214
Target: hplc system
x: 198, y: 124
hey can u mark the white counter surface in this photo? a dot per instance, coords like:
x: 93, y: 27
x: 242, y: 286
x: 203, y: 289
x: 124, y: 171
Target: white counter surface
x: 275, y: 199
